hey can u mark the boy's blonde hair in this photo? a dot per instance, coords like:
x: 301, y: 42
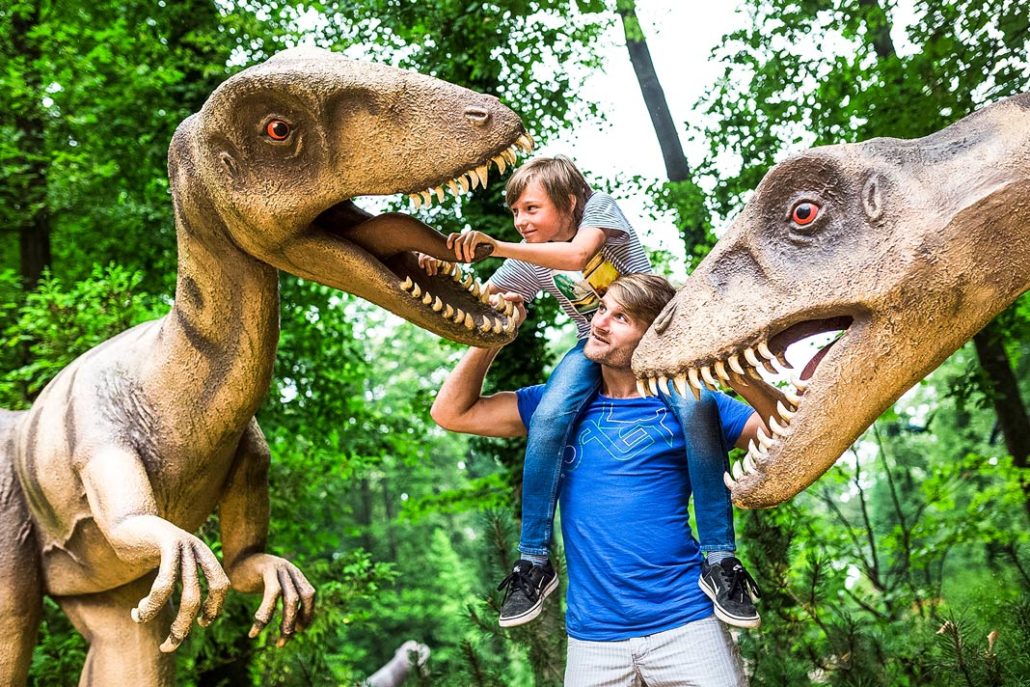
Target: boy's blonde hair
x: 642, y: 295
x: 561, y: 181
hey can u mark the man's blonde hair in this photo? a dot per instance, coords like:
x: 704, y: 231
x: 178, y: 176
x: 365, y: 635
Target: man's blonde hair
x: 561, y: 180
x: 643, y: 296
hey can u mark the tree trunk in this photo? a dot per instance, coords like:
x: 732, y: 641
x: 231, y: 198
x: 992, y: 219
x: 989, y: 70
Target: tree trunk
x: 33, y: 223
x: 654, y: 97
x: 1004, y: 392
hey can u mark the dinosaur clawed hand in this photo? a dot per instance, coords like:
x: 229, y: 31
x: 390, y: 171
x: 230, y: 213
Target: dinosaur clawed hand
x: 281, y: 580
x: 181, y: 556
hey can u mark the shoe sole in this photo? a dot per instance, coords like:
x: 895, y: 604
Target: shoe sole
x: 534, y: 610
x: 736, y: 621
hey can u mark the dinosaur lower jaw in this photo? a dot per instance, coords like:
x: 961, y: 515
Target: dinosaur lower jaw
x: 451, y: 302
x: 748, y: 479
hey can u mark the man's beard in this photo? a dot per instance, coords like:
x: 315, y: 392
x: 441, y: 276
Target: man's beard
x: 615, y: 358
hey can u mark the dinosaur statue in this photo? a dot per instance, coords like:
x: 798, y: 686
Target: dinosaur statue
x: 133, y: 445
x: 908, y: 247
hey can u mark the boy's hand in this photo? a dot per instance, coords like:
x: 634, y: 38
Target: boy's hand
x: 428, y: 263
x: 516, y: 300
x: 464, y: 245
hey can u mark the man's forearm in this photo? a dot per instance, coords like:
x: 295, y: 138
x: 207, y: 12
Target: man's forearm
x: 463, y: 387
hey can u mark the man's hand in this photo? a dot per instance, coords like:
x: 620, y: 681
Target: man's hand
x: 464, y: 245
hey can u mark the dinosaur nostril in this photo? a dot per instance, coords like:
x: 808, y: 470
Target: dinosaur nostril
x: 665, y: 318
x: 477, y: 115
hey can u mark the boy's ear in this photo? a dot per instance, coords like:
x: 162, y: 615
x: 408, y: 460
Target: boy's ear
x: 572, y: 203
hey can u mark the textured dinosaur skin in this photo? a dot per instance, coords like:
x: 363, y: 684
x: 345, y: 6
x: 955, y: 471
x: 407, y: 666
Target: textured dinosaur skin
x: 133, y: 445
x: 915, y: 245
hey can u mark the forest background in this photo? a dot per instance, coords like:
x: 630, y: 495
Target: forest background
x: 907, y: 564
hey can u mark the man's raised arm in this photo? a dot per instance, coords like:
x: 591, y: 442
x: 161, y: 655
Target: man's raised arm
x: 460, y: 405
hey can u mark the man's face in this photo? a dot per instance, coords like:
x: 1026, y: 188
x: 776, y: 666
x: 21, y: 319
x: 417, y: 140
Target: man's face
x: 614, y: 334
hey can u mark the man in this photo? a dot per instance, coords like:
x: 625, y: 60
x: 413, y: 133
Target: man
x: 636, y: 611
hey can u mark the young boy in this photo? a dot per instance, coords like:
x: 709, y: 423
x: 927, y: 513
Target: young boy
x: 575, y: 243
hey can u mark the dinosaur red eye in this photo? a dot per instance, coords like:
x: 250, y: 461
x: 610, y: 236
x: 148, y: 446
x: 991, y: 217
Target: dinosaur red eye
x: 804, y: 213
x: 277, y: 130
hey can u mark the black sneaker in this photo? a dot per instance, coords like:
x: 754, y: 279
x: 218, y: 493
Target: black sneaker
x: 732, y: 590
x: 527, y: 587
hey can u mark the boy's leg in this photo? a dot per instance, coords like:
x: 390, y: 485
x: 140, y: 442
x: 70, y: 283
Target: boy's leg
x: 573, y: 381
x: 723, y: 577
x: 571, y: 384
x: 706, y: 463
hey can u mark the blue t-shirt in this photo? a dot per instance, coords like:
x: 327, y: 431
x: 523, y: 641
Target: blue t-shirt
x: 632, y: 560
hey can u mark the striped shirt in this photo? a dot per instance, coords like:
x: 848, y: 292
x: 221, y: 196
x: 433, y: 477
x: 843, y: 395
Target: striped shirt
x: 576, y: 293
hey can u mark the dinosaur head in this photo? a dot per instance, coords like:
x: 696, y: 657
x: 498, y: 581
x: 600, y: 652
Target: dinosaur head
x: 281, y: 149
x: 906, y: 247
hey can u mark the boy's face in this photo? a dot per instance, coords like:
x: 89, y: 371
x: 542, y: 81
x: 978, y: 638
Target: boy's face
x: 538, y: 219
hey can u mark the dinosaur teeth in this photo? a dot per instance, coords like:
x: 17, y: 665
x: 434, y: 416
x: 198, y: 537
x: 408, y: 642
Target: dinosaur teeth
x: 501, y: 163
x: 720, y: 370
x: 509, y: 328
x: 427, y: 299
x: 763, y: 348
x: 437, y: 305
x: 776, y: 427
x: 509, y: 155
x: 463, y: 182
x: 498, y: 325
x: 448, y: 311
x: 749, y: 355
x: 459, y: 316
x: 416, y: 200
x: 782, y: 410
x: 407, y: 283
x: 764, y: 440
x: 652, y: 386
x: 525, y: 142
x: 439, y: 193
x: 427, y: 198
x: 749, y: 462
x: 694, y: 380
x: 706, y: 374
x: 468, y: 281
x: 734, y: 362
x: 663, y: 385
x: 792, y: 398
x: 416, y: 291
x: 483, y: 172
x: 728, y: 481
x: 640, y: 388
x: 680, y: 382
x: 469, y: 324
x: 454, y: 188
x: 738, y: 469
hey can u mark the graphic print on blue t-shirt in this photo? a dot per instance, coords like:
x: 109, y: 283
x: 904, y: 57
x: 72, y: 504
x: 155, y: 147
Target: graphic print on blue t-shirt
x: 621, y: 438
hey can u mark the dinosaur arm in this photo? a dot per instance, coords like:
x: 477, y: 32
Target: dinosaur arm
x: 123, y: 506
x: 243, y: 513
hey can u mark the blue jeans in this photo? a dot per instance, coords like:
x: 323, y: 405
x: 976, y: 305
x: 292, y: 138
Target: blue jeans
x: 574, y: 381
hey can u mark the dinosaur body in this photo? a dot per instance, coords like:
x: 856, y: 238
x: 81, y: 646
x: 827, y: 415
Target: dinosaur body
x: 133, y: 445
x: 908, y: 247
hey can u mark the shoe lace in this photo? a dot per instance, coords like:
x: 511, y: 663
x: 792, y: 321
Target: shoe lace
x: 515, y: 581
x: 742, y: 583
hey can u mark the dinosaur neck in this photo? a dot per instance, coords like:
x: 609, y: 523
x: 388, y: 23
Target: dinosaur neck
x: 223, y: 329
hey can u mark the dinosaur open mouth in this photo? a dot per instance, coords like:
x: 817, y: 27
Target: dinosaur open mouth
x: 744, y: 361
x: 452, y: 297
